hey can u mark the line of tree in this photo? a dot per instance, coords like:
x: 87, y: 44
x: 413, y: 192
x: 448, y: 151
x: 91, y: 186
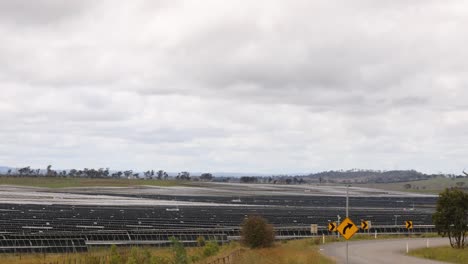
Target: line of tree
x: 281, y: 179
x: 102, y: 173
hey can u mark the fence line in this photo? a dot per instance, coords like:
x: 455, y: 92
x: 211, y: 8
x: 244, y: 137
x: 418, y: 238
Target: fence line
x: 229, y: 259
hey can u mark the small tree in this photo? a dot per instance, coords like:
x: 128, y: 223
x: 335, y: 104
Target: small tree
x: 451, y: 216
x: 257, y: 233
x: 206, y: 177
x: 184, y: 175
x: 179, y: 252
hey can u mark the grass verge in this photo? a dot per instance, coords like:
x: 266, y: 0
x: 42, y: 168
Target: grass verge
x: 445, y: 253
x: 55, y: 182
x: 304, y: 251
x: 370, y: 236
x: 287, y: 252
x: 103, y: 255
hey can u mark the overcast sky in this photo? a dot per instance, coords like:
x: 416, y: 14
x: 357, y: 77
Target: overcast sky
x: 239, y: 86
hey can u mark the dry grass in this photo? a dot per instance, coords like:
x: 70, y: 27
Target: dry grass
x: 292, y: 252
x: 81, y: 258
x: 104, y: 254
x: 446, y: 254
x: 304, y: 251
x: 55, y: 182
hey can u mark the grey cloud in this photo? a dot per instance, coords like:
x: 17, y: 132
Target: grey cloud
x: 411, y: 101
x: 39, y: 12
x: 273, y: 85
x: 312, y: 60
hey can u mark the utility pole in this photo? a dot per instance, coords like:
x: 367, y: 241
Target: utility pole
x: 347, y: 215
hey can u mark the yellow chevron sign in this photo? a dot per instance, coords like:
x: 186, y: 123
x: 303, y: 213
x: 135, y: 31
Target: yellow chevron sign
x: 409, y: 224
x: 365, y: 225
x: 332, y: 226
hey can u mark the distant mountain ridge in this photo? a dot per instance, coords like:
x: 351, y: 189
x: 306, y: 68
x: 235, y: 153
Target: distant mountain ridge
x: 371, y: 176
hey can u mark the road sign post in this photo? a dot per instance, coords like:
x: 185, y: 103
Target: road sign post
x: 338, y: 217
x: 347, y: 226
x: 313, y: 228
x: 409, y: 226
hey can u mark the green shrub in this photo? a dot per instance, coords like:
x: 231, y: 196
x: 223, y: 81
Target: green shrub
x: 131, y: 260
x: 146, y: 256
x: 114, y: 255
x: 195, y: 258
x: 211, y: 248
x: 179, y: 252
x: 257, y: 233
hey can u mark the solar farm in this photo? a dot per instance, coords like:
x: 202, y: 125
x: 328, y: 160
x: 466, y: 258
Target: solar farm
x: 75, y: 219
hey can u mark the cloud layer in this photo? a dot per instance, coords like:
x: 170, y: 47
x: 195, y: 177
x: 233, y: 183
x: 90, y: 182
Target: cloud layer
x: 264, y: 86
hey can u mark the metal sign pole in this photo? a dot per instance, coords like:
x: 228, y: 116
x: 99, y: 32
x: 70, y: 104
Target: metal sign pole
x: 407, y: 243
x: 338, y: 218
x: 347, y: 215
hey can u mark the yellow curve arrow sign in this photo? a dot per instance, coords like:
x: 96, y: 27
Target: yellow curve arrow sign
x: 347, y: 228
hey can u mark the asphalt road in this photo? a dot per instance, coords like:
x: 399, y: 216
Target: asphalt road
x: 384, y: 251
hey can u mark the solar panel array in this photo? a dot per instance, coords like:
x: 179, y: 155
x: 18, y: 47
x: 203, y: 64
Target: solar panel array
x: 64, y: 228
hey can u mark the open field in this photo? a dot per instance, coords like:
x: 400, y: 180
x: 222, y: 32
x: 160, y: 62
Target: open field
x: 430, y: 186
x: 56, y: 182
x: 446, y: 253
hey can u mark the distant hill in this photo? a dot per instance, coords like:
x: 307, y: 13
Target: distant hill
x: 368, y: 176
x: 4, y: 169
